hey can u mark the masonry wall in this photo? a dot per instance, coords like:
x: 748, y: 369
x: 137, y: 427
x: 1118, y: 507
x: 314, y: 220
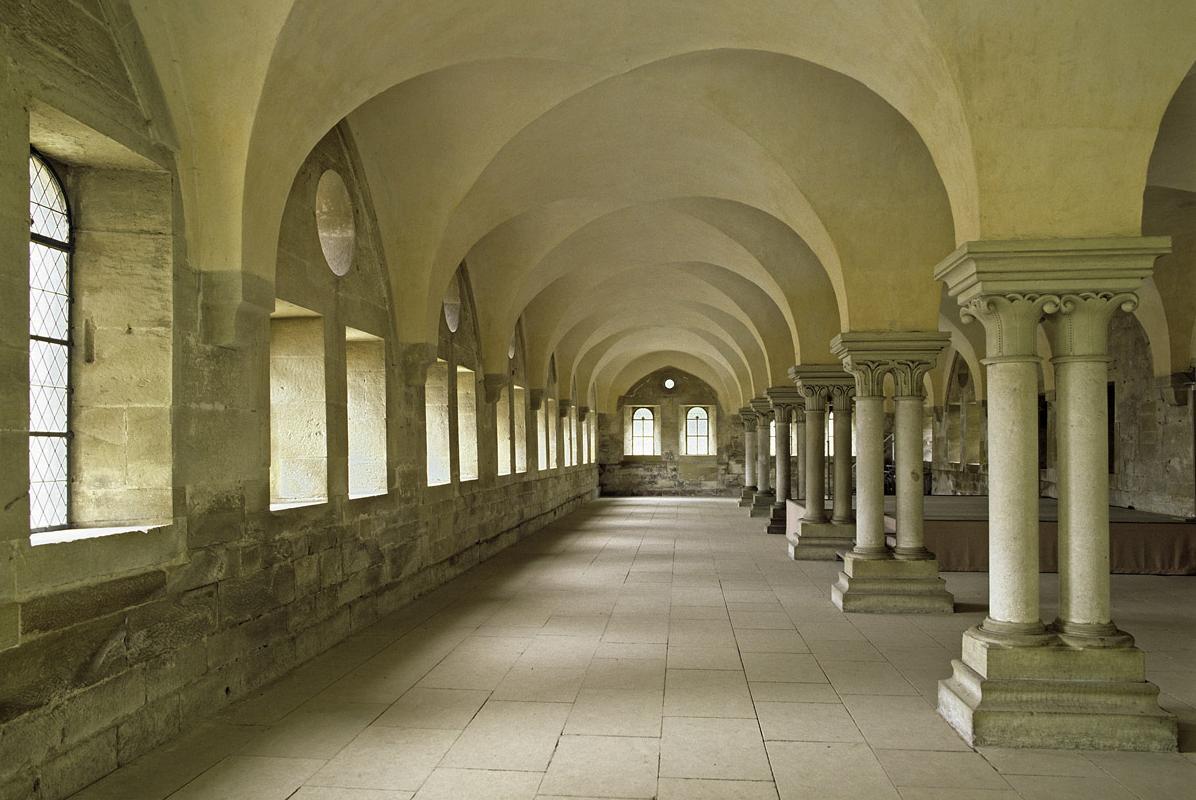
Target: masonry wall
x: 110, y: 645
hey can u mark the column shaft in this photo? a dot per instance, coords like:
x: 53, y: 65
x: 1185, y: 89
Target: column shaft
x: 907, y: 450
x: 842, y: 433
x: 762, y: 467
x: 815, y: 461
x: 1083, y: 447
x: 800, y: 478
x: 749, y: 457
x: 782, y: 493
x: 1013, y: 492
x: 870, y: 479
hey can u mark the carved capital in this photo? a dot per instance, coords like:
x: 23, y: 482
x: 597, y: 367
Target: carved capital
x: 563, y: 407
x: 763, y: 409
x: 493, y: 385
x: 748, y: 415
x: 819, y: 383
x: 785, y: 400
x: 1080, y: 327
x: 840, y: 398
x: 1010, y: 321
x: 535, y: 399
x: 908, y: 376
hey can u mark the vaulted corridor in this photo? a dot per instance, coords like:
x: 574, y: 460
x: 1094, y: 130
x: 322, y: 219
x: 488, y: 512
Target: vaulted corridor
x: 650, y: 647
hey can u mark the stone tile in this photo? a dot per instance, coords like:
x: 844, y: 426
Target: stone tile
x: 616, y: 712
x: 630, y: 673
x: 703, y: 658
x: 829, y: 631
x: 636, y: 631
x: 458, y: 784
x: 250, y: 778
x: 698, y: 612
x: 783, y: 668
x: 545, y: 684
x: 865, y: 677
x: 713, y: 748
x: 770, y: 640
x: 807, y: 722
x: 766, y: 691
x: 1042, y: 787
x: 938, y: 769
x: 589, y: 625
x: 1161, y: 776
x: 313, y: 734
x: 835, y: 771
x: 926, y: 793
x: 509, y: 736
x: 1062, y: 763
x: 701, y: 633
x: 704, y: 789
x: 833, y: 649
x: 608, y: 766
x: 623, y: 650
x: 907, y: 723
x: 386, y: 758
x: 707, y: 693
x: 338, y: 793
x: 449, y: 709
x: 777, y: 620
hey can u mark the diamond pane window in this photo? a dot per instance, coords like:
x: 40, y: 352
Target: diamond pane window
x: 697, y: 432
x: 49, y: 347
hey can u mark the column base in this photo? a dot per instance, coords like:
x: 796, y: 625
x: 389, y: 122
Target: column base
x: 762, y: 503
x: 820, y: 541
x: 745, y: 497
x: 776, y: 521
x: 1054, y: 696
x: 891, y: 586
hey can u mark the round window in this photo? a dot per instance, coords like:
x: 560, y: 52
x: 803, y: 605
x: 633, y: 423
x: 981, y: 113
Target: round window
x: 669, y: 383
x: 334, y: 222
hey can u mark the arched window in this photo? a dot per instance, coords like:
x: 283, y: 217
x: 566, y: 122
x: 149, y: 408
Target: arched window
x: 772, y: 438
x: 643, y: 432
x: 49, y: 347
x: 697, y: 432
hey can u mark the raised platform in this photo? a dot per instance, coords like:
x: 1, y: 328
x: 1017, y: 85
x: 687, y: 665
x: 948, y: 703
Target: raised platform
x: 1141, y: 543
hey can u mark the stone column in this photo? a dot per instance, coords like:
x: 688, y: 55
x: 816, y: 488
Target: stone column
x: 841, y: 405
x: 817, y: 537
x: 784, y: 401
x: 907, y: 451
x: 872, y: 580
x: 1071, y: 694
x: 1080, y: 345
x: 749, y: 456
x: 763, y: 500
x: 799, y: 480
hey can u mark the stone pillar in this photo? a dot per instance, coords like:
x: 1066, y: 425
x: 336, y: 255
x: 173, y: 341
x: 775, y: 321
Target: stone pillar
x: 784, y: 401
x: 907, y: 452
x: 799, y: 479
x: 764, y: 498
x: 1082, y: 685
x: 1080, y: 346
x: 749, y: 456
x: 817, y: 537
x: 841, y: 405
x: 872, y: 580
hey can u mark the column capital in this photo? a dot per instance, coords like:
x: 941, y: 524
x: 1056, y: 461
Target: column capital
x: 582, y: 413
x: 762, y: 407
x: 908, y: 355
x: 563, y: 406
x: 748, y: 415
x: 535, y: 399
x: 1080, y: 327
x: 492, y: 385
x: 785, y: 401
x: 1010, y: 285
x: 413, y: 360
x: 818, y: 382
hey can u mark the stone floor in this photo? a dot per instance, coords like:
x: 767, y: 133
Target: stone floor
x: 647, y: 648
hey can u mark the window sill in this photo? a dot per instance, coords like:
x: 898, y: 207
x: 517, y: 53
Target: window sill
x: 364, y: 495
x: 77, y: 534
x: 297, y: 504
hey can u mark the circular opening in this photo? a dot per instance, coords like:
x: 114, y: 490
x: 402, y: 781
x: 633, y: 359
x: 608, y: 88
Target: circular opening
x: 334, y: 222
x: 669, y: 383
x: 452, y: 306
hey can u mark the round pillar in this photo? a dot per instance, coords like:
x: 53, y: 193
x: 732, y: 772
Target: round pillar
x: 783, y: 414
x: 870, y: 479
x: 841, y: 400
x: 815, y: 457
x: 749, y: 454
x: 907, y: 447
x: 762, y: 466
x: 799, y: 479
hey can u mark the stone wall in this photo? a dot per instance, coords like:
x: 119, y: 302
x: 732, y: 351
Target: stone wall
x: 671, y: 473
x: 111, y: 644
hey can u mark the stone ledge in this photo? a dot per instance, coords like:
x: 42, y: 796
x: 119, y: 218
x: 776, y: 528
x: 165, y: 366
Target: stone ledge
x: 820, y: 541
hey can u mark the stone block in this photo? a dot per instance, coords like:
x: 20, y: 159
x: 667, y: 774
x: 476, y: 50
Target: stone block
x: 820, y: 541
x: 252, y: 596
x: 10, y: 625
x: 62, y: 610
x: 79, y: 766
x: 99, y: 707
x: 891, y: 586
x: 147, y: 727
x: 166, y: 625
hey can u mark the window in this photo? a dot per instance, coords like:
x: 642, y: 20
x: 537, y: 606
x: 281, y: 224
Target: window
x: 542, y: 435
x: 772, y: 438
x: 697, y: 432
x: 643, y: 432
x: 49, y: 348
x: 436, y: 423
x: 298, y: 416
x: 520, y: 412
x: 573, y: 453
x: 502, y: 427
x: 593, y: 437
x: 553, y: 426
x: 365, y: 396
x: 467, y: 424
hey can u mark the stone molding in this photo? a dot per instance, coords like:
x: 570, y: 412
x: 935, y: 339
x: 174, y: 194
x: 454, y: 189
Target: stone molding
x: 763, y: 408
x: 819, y: 383
x: 535, y: 399
x: 413, y: 361
x: 1009, y: 286
x: 786, y: 402
x: 906, y: 355
x: 582, y: 413
x: 563, y: 407
x: 1081, y: 326
x: 493, y: 384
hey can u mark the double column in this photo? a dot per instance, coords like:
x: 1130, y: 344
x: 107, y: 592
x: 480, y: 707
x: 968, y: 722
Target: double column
x: 1080, y: 682
x: 748, y: 416
x: 764, y: 498
x: 786, y: 401
x: 874, y: 578
x: 815, y: 536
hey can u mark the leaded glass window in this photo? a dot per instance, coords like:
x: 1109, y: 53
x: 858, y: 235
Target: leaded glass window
x: 49, y: 347
x: 643, y: 432
x: 697, y: 432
